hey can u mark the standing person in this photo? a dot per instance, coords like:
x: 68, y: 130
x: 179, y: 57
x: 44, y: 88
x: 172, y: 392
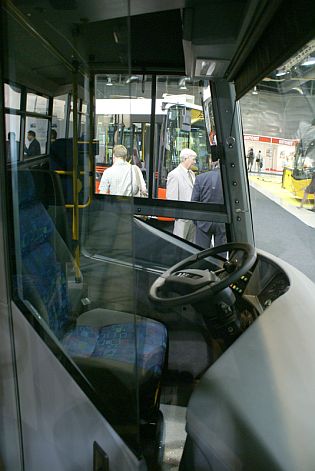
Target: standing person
x: 34, y: 146
x: 259, y: 161
x: 179, y: 186
x: 250, y: 159
x: 120, y: 178
x: 53, y: 136
x: 208, y: 189
x: 12, y: 147
x: 306, y: 134
x: 308, y: 190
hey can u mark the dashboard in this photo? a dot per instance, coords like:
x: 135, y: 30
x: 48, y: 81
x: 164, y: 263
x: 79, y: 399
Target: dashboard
x: 262, y: 285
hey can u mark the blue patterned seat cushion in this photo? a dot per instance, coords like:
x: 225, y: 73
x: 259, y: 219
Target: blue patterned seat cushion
x: 117, y: 342
x: 142, y: 343
x: 43, y: 275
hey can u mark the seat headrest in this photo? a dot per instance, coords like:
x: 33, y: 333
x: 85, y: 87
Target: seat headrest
x: 26, y: 187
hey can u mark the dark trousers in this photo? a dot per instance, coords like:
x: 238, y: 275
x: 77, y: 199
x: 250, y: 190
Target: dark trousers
x: 217, y: 229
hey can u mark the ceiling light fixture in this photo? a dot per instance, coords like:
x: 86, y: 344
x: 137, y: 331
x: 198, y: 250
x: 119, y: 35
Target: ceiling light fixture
x: 132, y: 78
x: 281, y: 72
x: 255, y: 91
x: 298, y: 89
x: 109, y: 82
x: 116, y: 38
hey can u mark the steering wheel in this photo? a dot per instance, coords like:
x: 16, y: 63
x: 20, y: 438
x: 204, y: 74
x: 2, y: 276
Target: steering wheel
x: 194, y: 284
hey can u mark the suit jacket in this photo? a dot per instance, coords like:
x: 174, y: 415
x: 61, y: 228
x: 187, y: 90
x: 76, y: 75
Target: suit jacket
x: 179, y: 186
x: 208, y: 189
x: 33, y: 148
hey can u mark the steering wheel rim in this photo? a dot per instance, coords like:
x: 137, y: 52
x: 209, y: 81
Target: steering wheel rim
x: 211, y: 285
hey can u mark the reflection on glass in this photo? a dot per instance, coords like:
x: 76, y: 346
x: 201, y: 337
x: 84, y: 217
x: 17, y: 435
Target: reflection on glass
x: 12, y: 96
x: 59, y: 116
x: 12, y: 127
x: 36, y: 104
x: 35, y: 136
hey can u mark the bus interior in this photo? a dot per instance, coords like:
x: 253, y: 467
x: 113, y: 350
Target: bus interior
x: 125, y: 346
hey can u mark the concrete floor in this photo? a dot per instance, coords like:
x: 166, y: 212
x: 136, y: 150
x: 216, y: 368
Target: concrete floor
x: 280, y: 226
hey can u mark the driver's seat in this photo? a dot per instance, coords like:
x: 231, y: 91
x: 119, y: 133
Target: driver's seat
x: 121, y: 355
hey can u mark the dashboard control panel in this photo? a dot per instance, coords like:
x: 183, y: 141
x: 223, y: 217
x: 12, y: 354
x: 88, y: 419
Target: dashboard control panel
x: 240, y: 285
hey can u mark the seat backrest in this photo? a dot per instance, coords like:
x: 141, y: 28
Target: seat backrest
x: 50, y: 193
x: 43, y: 259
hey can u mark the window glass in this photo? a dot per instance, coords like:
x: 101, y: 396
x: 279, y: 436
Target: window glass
x: 12, y: 96
x: 279, y: 131
x: 59, y: 116
x: 84, y: 126
x: 36, y: 103
x: 12, y: 129
x: 186, y: 142
x: 36, y: 130
x: 82, y: 306
x: 124, y: 122
x: 70, y: 128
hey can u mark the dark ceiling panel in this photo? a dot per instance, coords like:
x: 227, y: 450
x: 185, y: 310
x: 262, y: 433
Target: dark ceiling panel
x: 156, y: 41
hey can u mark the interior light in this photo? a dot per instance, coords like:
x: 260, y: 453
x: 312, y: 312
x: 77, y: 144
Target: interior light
x: 132, y: 78
x: 281, y: 72
x: 298, y: 89
x: 116, y: 38
x: 255, y: 91
x: 109, y: 82
x: 309, y: 61
x: 182, y: 83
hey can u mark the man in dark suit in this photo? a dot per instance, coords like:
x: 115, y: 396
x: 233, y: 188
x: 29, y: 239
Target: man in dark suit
x: 34, y: 146
x: 208, y: 189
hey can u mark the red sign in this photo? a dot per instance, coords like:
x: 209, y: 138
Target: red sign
x: 273, y: 140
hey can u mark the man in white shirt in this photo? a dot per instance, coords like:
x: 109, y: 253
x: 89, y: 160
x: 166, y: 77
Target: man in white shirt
x: 119, y: 179
x: 180, y: 182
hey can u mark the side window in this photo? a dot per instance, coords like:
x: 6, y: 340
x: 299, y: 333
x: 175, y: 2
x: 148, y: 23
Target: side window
x: 12, y: 96
x: 36, y: 125
x: 36, y: 130
x: 12, y: 126
x: 12, y: 101
x: 59, y: 117
x: 36, y: 104
x: 279, y: 131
